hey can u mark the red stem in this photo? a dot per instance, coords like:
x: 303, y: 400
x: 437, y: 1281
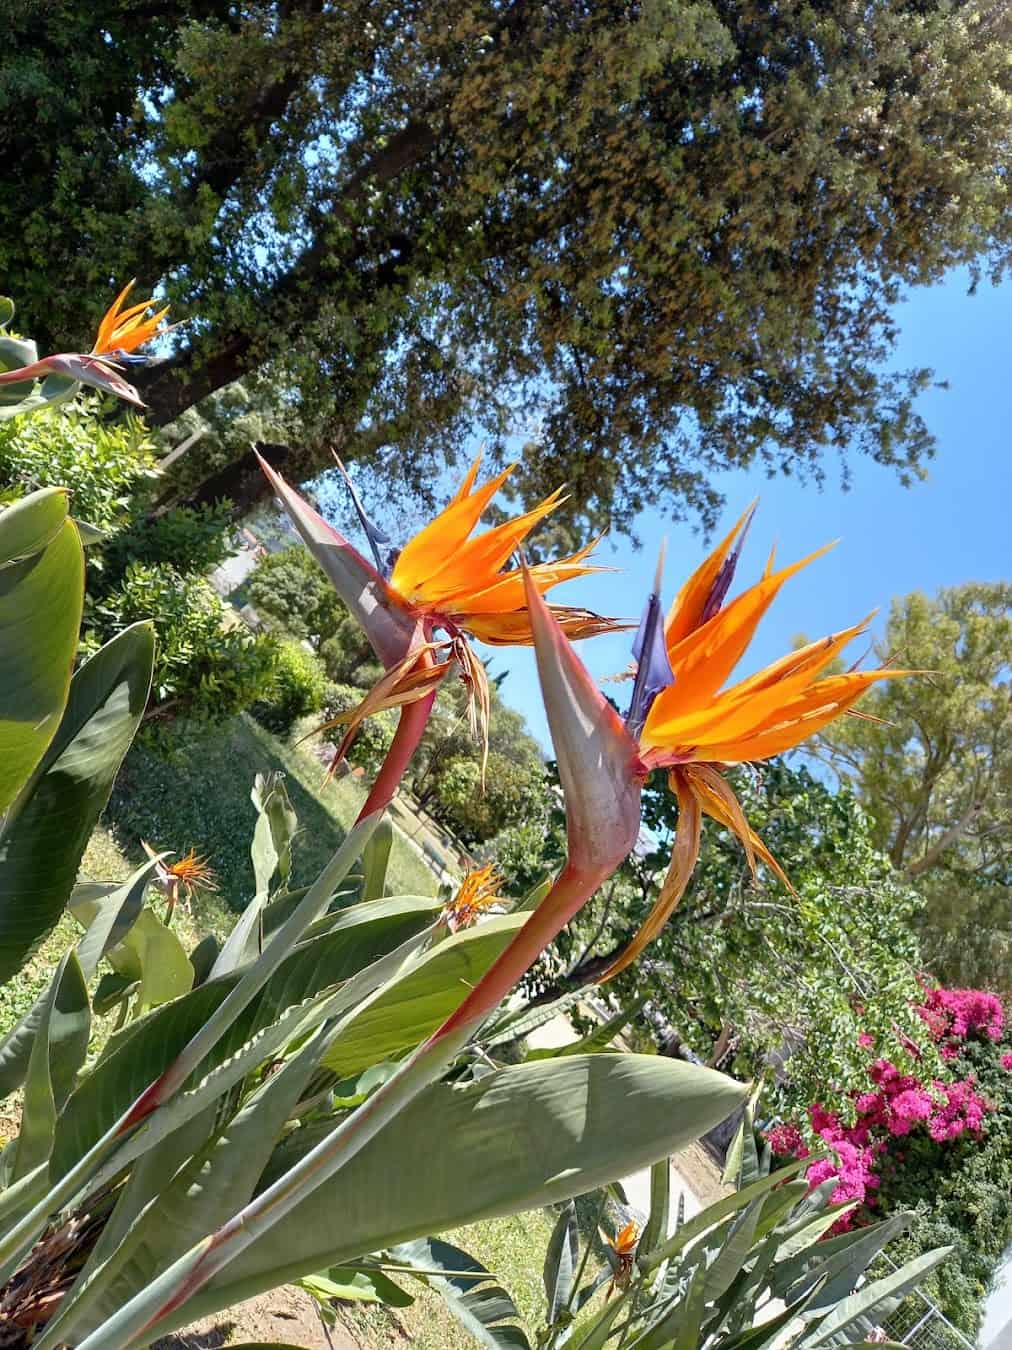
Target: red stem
x: 570, y: 893
x: 410, y: 729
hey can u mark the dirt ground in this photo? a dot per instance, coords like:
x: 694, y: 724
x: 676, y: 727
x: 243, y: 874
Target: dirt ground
x: 287, y: 1316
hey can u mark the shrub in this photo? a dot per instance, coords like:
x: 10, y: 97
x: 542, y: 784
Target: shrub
x: 202, y: 668
x: 101, y: 463
x: 290, y: 589
x: 938, y: 1147
x: 374, y: 736
x: 189, y: 539
x: 299, y: 688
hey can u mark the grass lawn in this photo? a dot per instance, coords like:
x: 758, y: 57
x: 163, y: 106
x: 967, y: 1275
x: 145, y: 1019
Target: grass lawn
x: 199, y: 797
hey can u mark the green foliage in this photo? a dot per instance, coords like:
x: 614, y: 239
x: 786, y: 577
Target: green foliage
x: 290, y: 589
x: 198, y: 797
x: 100, y: 462
x: 146, y: 566
x: 748, y: 1271
x: 446, y: 773
x: 672, y: 233
x: 202, y: 668
x: 298, y: 687
x: 750, y: 972
x: 374, y: 735
x: 190, y: 540
x: 935, y: 774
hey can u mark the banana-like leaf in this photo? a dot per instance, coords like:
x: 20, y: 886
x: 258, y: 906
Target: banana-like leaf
x: 375, y: 860
x: 145, y: 1048
x: 45, y: 833
x: 69, y: 1016
x: 216, y: 1183
x: 519, y: 1022
x: 734, y: 1251
x: 679, y: 1329
x: 560, y: 1262
x: 31, y: 523
x: 482, y: 1307
x: 107, y: 912
x: 598, y: 1039
x: 523, y: 1137
x: 41, y: 597
x: 656, y: 1227
x: 599, y: 1332
x: 878, y: 1298
x: 720, y: 1209
x: 152, y: 954
x: 271, y: 852
x: 38, y: 1115
x: 839, y: 1261
x: 409, y: 1008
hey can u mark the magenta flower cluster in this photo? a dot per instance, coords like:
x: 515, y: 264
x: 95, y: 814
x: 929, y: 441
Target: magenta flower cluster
x: 898, y: 1104
x: 952, y: 1015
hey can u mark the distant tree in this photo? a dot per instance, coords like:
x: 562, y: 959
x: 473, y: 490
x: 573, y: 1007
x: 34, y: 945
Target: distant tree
x: 291, y: 589
x: 662, y: 238
x: 446, y: 775
x: 935, y: 773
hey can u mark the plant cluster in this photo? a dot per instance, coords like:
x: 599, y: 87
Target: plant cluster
x: 142, y: 565
x: 934, y: 1143
x: 268, y: 1106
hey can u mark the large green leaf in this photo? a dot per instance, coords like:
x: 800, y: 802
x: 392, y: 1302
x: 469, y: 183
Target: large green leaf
x: 69, y: 1016
x: 861, y: 1310
x: 408, y: 1009
x: 523, y: 1137
x: 362, y: 934
x: 41, y: 597
x: 205, y: 1192
x: 484, y: 1309
x: 47, y: 829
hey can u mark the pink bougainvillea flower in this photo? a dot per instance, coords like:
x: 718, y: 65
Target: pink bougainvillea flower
x: 120, y: 333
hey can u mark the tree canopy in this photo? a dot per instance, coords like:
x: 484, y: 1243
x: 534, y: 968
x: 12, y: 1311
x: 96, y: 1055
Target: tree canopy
x: 659, y: 239
x: 935, y: 773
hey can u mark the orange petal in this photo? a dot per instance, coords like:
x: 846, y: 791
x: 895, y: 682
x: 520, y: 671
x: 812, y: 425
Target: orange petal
x: 719, y: 801
x: 506, y: 593
x: 111, y: 316
x: 686, y: 613
x: 812, y: 658
x: 703, y: 661
x: 513, y: 629
x: 441, y: 539
x: 467, y: 486
x: 683, y: 862
x: 476, y: 564
x: 798, y: 718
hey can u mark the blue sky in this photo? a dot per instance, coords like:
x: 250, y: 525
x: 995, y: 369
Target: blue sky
x: 953, y: 527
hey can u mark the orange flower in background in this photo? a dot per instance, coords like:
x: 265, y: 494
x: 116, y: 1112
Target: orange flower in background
x: 478, y: 892
x: 623, y: 1245
x: 122, y: 331
x: 182, y: 878
x: 460, y: 581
